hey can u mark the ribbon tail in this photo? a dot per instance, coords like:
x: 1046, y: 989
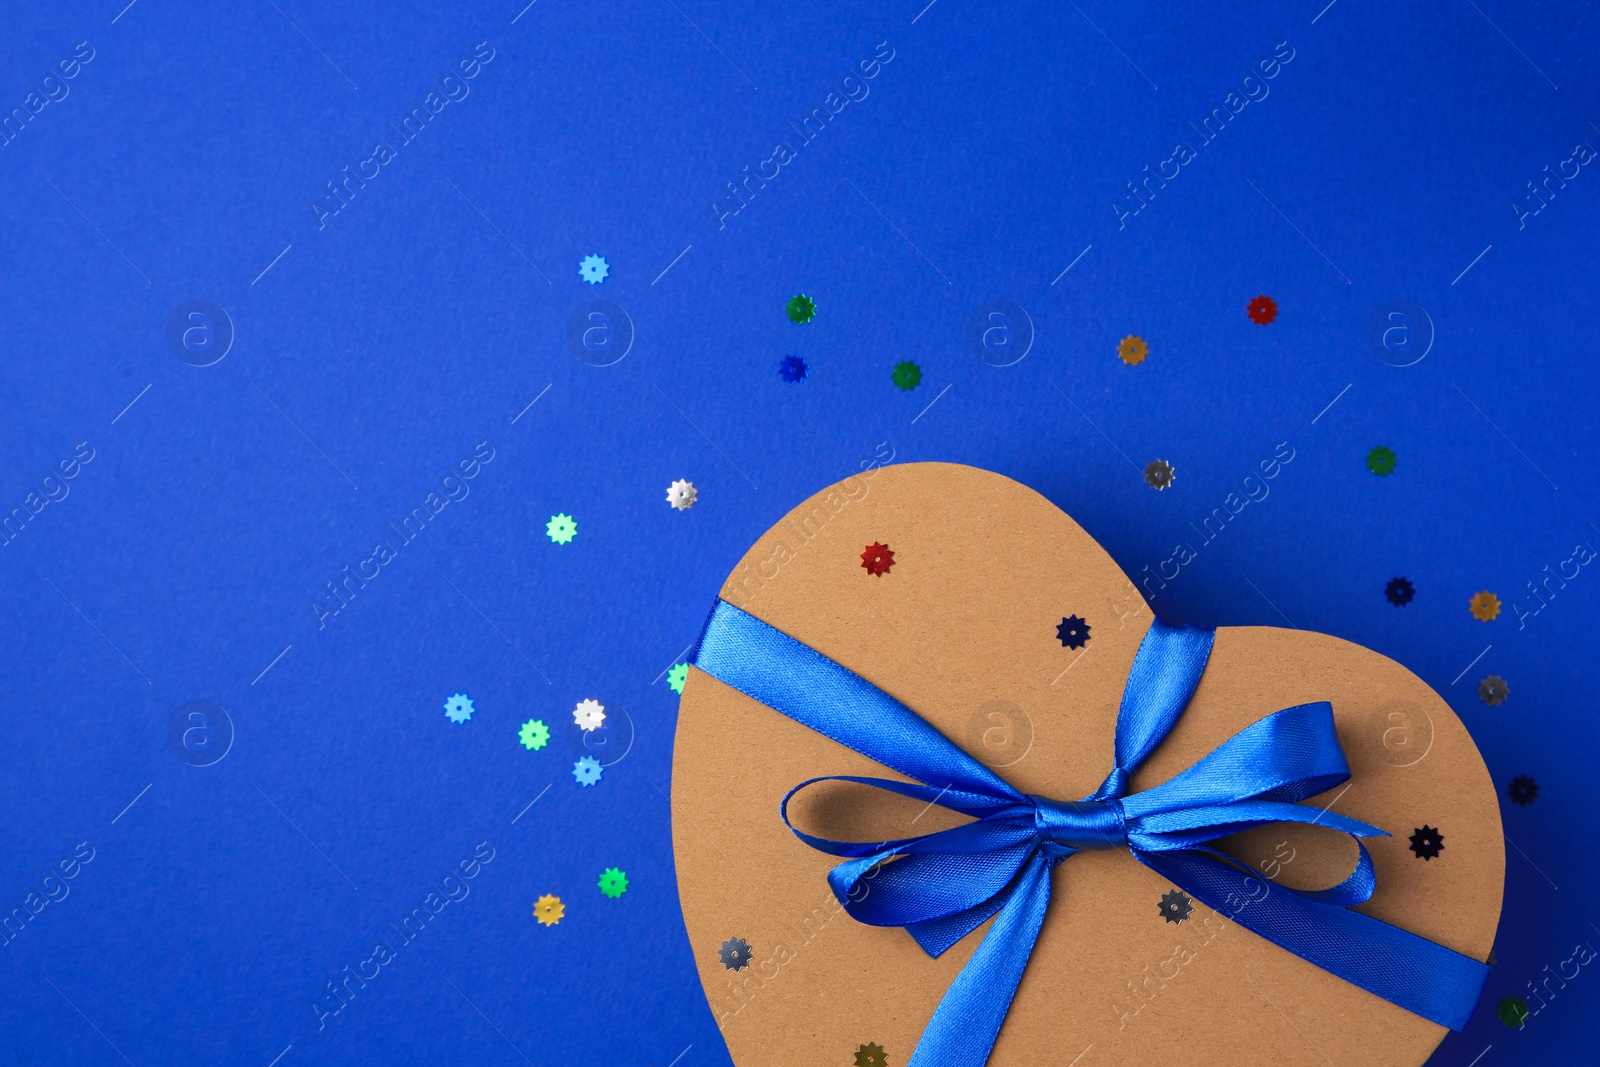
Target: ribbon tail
x: 964, y: 1027
x: 1423, y: 977
x: 796, y: 680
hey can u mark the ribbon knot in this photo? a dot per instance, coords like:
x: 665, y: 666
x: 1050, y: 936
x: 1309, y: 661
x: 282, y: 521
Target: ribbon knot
x: 942, y: 886
x: 1080, y: 824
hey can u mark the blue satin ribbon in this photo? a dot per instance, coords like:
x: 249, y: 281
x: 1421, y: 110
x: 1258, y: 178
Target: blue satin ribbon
x: 941, y: 886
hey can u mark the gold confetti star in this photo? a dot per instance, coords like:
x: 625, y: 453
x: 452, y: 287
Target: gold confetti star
x: 549, y: 909
x: 1132, y: 349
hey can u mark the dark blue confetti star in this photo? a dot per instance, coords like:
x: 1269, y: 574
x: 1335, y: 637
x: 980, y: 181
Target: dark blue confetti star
x: 1523, y: 790
x: 792, y: 369
x: 1073, y: 632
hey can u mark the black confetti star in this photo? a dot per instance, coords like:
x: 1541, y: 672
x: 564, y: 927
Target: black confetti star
x: 735, y: 953
x: 1427, y: 842
x: 1400, y: 591
x: 1175, y: 906
x: 1493, y: 690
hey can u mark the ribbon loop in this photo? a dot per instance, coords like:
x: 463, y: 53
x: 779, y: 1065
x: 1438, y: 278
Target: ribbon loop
x: 941, y: 886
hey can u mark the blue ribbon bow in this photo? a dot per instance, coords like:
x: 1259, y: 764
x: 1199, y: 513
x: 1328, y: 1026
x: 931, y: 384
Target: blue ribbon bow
x: 941, y: 886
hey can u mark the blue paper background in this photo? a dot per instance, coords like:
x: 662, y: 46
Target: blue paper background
x: 377, y: 351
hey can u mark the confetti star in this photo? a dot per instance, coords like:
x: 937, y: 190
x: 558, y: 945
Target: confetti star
x: 561, y: 529
x: 534, y: 735
x: 1427, y: 842
x: 682, y: 494
x: 677, y: 677
x: 907, y: 375
x: 1262, y: 310
x: 548, y: 910
x: 1484, y: 606
x: 589, y: 715
x: 877, y: 559
x: 735, y: 953
x: 1175, y: 906
x: 1159, y: 474
x: 613, y: 883
x: 594, y: 269
x: 1073, y: 632
x: 1493, y: 690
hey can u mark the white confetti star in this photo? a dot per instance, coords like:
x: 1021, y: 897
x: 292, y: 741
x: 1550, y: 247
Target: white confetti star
x: 589, y: 714
x: 682, y: 494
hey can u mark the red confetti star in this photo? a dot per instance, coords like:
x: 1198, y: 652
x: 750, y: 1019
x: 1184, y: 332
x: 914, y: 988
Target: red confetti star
x: 877, y: 559
x: 1263, y: 309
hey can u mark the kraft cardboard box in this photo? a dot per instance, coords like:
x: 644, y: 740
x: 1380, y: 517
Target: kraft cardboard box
x: 962, y: 628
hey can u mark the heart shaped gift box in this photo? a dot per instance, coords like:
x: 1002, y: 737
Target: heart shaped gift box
x: 1011, y: 631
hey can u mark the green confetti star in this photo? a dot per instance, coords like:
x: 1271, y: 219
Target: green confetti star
x: 1513, y: 1011
x: 534, y: 735
x: 613, y: 883
x: 677, y: 676
x: 1380, y: 461
x: 561, y: 529
x: 802, y: 308
x: 907, y: 375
